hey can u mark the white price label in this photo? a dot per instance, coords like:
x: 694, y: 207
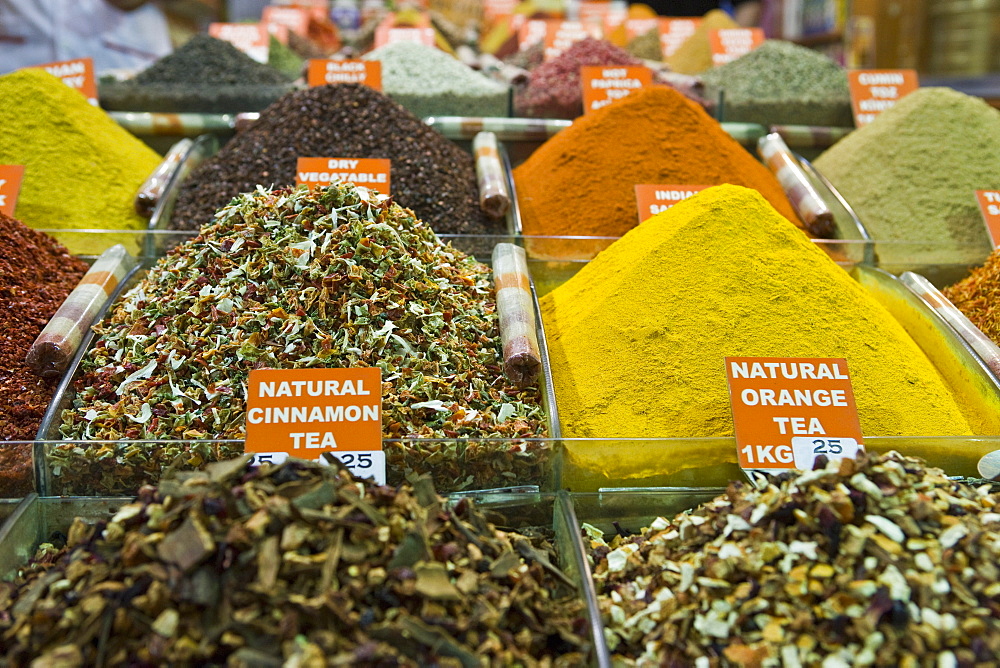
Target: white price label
x: 362, y: 464
x: 807, y: 448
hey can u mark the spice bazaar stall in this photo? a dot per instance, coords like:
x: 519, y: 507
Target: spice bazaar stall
x: 387, y: 375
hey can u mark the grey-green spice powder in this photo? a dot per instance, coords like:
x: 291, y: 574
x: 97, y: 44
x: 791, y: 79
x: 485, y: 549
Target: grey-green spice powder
x: 429, y: 82
x: 911, y: 176
x: 783, y: 83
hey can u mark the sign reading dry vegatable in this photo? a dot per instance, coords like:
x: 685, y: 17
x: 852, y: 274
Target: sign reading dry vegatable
x: 10, y: 187
x: 787, y: 411
x: 989, y: 205
x: 728, y: 44
x: 603, y: 85
x: 874, y: 91
x: 651, y: 199
x: 250, y: 38
x: 317, y: 414
x: 325, y: 71
x: 77, y: 73
x: 365, y: 172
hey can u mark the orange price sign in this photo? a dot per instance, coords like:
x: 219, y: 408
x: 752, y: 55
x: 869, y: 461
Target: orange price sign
x: 651, y: 199
x: 674, y: 32
x: 603, y: 85
x: 560, y: 35
x: 396, y: 34
x: 296, y: 19
x: 787, y: 411
x: 728, y: 44
x: 496, y: 9
x: 323, y: 71
x: 309, y: 413
x: 10, y: 187
x: 365, y: 172
x: 78, y: 74
x: 250, y: 38
x: 874, y: 91
x: 989, y: 204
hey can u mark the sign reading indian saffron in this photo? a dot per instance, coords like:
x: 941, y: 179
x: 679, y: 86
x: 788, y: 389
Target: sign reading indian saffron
x: 316, y: 414
x: 651, y: 199
x: 787, y: 411
x: 77, y: 73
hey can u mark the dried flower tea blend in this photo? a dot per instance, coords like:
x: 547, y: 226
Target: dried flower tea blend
x: 292, y: 565
x: 880, y: 561
x: 337, y: 277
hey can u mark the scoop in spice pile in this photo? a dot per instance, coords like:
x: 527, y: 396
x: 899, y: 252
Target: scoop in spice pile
x: 36, y: 275
x: 880, y: 561
x: 336, y: 277
x: 297, y: 564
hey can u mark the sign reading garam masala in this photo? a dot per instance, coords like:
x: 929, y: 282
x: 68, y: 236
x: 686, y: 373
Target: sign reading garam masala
x: 787, y: 411
x: 364, y: 172
x: 252, y: 39
x: 651, y: 199
x: 874, y: 91
x: 10, y: 187
x: 989, y: 204
x: 604, y: 85
x: 307, y: 413
x: 324, y: 71
x: 77, y: 73
x: 728, y: 44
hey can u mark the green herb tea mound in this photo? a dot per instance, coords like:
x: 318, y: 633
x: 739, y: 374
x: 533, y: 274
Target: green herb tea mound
x: 780, y: 82
x: 911, y: 175
x: 340, y: 277
x: 292, y: 565
x: 883, y: 561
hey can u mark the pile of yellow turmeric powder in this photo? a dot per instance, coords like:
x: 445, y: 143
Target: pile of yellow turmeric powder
x: 638, y: 337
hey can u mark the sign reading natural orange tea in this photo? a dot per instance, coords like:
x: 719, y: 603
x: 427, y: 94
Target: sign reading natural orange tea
x: 651, y: 199
x: 874, y: 91
x: 323, y: 71
x: 78, y: 74
x: 989, y: 204
x: 604, y: 85
x: 250, y: 38
x: 674, y: 32
x: 307, y: 413
x: 787, y: 411
x: 10, y: 187
x: 366, y: 172
x: 728, y: 44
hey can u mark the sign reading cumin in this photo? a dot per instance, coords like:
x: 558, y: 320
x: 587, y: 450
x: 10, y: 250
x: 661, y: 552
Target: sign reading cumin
x: 316, y: 413
x: 787, y: 411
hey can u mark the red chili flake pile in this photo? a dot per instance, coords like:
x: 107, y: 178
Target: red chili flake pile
x: 36, y: 275
x: 977, y: 297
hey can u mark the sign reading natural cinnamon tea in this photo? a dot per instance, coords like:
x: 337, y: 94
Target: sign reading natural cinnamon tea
x: 787, y: 411
x: 309, y: 413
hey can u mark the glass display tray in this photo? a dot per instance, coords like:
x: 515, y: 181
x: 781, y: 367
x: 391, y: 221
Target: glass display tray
x: 35, y: 520
x: 454, y: 464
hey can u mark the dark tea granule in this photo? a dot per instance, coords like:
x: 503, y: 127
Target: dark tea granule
x: 36, y: 275
x: 429, y: 175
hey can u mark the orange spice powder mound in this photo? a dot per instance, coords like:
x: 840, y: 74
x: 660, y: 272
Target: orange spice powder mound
x: 582, y: 181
